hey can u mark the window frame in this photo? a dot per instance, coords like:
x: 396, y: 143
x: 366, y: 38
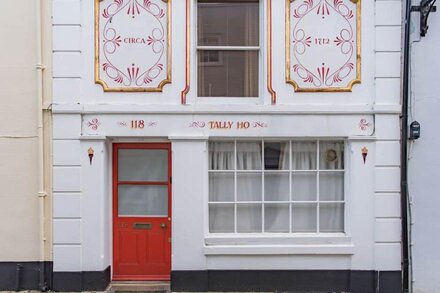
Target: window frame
x: 344, y: 235
x: 261, y: 66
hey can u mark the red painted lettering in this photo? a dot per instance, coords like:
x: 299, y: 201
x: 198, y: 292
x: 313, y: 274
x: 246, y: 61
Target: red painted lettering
x: 135, y: 41
x: 243, y: 125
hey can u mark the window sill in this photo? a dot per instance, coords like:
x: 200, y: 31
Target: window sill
x: 304, y: 244
x: 229, y: 100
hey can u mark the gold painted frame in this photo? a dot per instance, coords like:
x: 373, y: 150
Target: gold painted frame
x: 132, y: 89
x: 358, y: 54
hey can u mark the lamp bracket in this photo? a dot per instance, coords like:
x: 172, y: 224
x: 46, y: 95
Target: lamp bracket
x: 425, y: 8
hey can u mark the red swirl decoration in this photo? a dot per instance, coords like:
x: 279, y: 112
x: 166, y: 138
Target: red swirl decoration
x: 133, y: 43
x: 323, y: 43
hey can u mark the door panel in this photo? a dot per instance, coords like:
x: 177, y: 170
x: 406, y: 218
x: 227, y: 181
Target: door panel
x: 143, y: 200
x: 141, y: 211
x: 143, y: 165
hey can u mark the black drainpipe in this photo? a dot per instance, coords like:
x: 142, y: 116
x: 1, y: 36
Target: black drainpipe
x: 404, y: 150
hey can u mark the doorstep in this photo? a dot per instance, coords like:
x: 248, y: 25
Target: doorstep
x: 139, y: 286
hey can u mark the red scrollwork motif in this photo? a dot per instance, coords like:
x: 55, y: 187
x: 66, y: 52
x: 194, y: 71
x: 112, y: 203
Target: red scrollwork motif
x: 133, y: 42
x: 323, y: 43
x: 197, y: 124
x: 364, y: 124
x: 94, y: 124
x: 303, y: 9
x: 259, y: 124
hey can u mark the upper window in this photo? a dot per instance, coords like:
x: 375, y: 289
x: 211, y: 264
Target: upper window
x: 228, y: 48
x: 276, y: 187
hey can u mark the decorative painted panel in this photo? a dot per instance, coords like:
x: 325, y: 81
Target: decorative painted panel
x: 323, y: 44
x: 132, y: 45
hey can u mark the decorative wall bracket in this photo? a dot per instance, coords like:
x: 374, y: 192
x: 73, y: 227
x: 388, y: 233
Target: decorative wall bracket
x: 323, y: 45
x: 425, y: 8
x: 132, y: 45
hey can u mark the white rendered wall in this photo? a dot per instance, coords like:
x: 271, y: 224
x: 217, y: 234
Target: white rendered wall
x: 424, y: 182
x: 189, y: 203
x: 74, y: 67
x: 84, y: 191
x: 387, y: 231
x: 19, y: 156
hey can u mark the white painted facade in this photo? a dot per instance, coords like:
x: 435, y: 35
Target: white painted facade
x: 82, y: 213
x: 423, y: 184
x: 24, y: 126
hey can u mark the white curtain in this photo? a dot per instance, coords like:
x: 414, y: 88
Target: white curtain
x: 249, y: 187
x: 331, y: 184
x: 304, y: 217
x: 284, y: 156
x: 248, y: 157
x: 304, y: 156
x: 221, y: 156
x: 221, y: 187
x: 276, y: 188
x: 331, y: 217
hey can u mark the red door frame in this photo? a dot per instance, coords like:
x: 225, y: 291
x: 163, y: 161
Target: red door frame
x: 115, y: 183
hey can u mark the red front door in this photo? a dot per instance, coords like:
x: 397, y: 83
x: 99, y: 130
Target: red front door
x: 141, y: 211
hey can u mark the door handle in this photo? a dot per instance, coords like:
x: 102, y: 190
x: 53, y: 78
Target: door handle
x: 163, y: 225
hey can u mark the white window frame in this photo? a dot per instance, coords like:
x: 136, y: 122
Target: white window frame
x: 339, y: 243
x: 231, y: 100
x: 220, y: 58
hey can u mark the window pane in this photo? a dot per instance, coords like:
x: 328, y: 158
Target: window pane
x: 249, y: 155
x: 252, y: 174
x: 249, y: 187
x: 141, y: 200
x: 276, y: 217
x: 331, y: 155
x: 227, y: 73
x: 276, y: 156
x: 331, y: 217
x: 331, y: 186
x: 276, y: 186
x: 221, y: 187
x: 249, y: 218
x: 143, y: 165
x: 221, y: 156
x: 304, y: 186
x: 221, y: 218
x: 226, y: 23
x: 304, y: 218
x: 304, y: 156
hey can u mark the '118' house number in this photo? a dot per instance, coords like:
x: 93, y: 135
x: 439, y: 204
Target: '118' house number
x: 137, y: 124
